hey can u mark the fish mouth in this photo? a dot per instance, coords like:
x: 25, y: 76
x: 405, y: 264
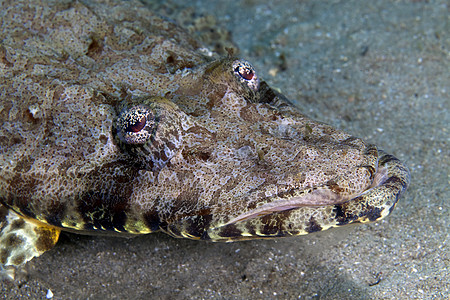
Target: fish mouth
x: 321, y: 196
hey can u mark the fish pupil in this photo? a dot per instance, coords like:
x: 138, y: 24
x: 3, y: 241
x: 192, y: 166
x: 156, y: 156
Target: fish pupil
x: 138, y: 126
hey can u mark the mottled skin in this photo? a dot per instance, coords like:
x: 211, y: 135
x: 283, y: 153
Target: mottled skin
x: 114, y: 120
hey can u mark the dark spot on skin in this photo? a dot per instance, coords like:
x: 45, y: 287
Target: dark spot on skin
x: 373, y: 213
x: 161, y: 155
x: 170, y: 59
x: 95, y: 48
x: 261, y: 154
x: 230, y: 231
x: 56, y: 212
x: 17, y: 224
x: 342, y: 215
x: 4, y: 254
x: 191, y: 155
x: 12, y: 240
x: 103, y: 211
x: 106, y: 208
x: 45, y: 239
x: 174, y: 63
x: 333, y: 186
x: 18, y: 260
x: 313, y: 226
x: 197, y: 225
x: 203, y: 155
x: 210, y: 104
x: 249, y: 114
x: 103, y: 139
x: 152, y: 220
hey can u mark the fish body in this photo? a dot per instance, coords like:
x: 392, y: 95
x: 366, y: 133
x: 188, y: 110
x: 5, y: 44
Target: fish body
x: 116, y: 121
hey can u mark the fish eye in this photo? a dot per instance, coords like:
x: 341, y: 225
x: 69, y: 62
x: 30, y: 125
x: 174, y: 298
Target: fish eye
x: 135, y: 125
x: 151, y: 132
x: 246, y: 74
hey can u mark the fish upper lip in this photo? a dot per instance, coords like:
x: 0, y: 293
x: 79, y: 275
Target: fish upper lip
x: 312, y: 197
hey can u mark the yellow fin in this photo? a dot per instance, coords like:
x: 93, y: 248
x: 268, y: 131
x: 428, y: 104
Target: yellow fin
x: 21, y: 240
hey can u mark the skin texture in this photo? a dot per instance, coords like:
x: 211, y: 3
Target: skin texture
x: 116, y: 121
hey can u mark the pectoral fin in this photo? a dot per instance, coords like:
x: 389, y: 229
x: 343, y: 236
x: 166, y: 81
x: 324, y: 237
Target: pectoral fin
x: 22, y: 239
